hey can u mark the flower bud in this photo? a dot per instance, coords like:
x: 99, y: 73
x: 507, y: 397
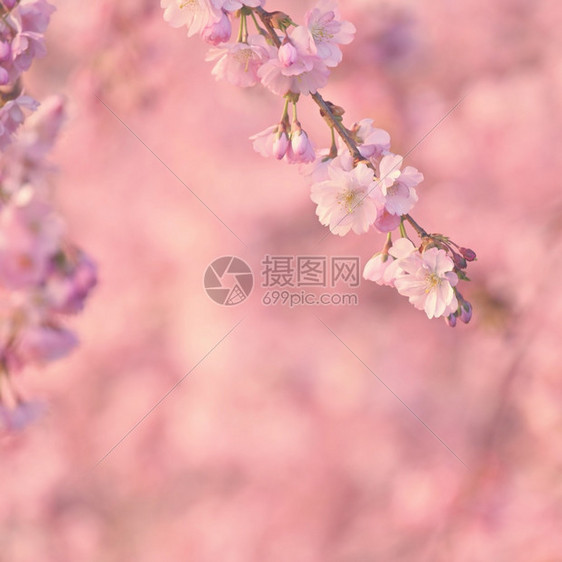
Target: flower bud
x: 466, y: 312
x: 5, y: 50
x: 21, y: 415
x: 299, y: 142
x: 469, y: 255
x: 337, y: 110
x: 218, y: 32
x: 9, y: 4
x: 280, y: 144
x: 459, y: 261
x: 280, y: 20
x: 287, y: 54
x: 451, y: 320
x: 4, y: 76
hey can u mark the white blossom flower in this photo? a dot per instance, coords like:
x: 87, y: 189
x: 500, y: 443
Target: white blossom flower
x: 344, y: 202
x: 427, y: 280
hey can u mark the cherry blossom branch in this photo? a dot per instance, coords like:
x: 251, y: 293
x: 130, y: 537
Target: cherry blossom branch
x: 421, y: 232
x: 358, y: 184
x: 326, y: 109
x: 265, y: 18
x: 43, y: 277
x: 335, y: 123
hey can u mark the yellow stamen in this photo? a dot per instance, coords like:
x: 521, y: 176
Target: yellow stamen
x: 433, y: 280
x: 351, y: 199
x: 244, y: 56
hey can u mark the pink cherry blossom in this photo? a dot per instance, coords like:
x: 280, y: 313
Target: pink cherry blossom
x: 41, y: 128
x: 218, y: 31
x: 328, y: 31
x: 281, y: 144
x: 196, y: 15
x: 466, y: 312
x: 12, y: 114
x: 21, y: 38
x: 272, y: 141
x: 376, y: 192
x: 400, y: 249
x: 343, y: 201
x: 6, y: 63
x: 301, y: 149
x: 33, y: 15
x: 23, y: 161
x: 396, y: 186
x: 9, y: 4
x: 275, y: 141
x: 308, y: 82
x: 374, y: 269
x: 20, y: 415
x: 26, y: 46
x: 427, y: 280
x: 5, y: 50
x: 383, y: 268
x: 239, y: 63
x: 43, y: 343
x: 290, y: 60
x: 29, y: 236
x: 67, y: 288
x: 372, y: 142
x: 39, y: 279
x: 295, y: 67
x: 318, y: 170
x: 386, y: 222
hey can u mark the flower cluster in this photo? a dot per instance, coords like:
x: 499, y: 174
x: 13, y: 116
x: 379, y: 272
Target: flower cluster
x: 22, y: 25
x: 427, y: 275
x: 42, y: 276
x: 358, y: 184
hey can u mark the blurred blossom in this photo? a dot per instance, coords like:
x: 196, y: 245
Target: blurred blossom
x: 12, y: 115
x: 43, y: 343
x: 34, y: 250
x: 20, y: 416
x: 21, y: 39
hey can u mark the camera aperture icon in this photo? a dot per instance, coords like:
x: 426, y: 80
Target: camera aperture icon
x: 228, y: 280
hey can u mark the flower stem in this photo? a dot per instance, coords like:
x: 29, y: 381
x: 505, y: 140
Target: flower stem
x: 265, y: 19
x: 260, y: 29
x: 336, y: 124
x: 421, y: 232
x: 403, y: 232
x: 333, y: 148
x: 285, y: 114
x: 240, y: 38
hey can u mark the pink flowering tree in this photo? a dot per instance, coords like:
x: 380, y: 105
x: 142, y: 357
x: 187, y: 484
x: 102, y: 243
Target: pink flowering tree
x: 43, y: 276
x: 357, y: 183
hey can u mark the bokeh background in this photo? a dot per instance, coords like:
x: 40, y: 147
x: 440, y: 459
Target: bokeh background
x: 312, y: 434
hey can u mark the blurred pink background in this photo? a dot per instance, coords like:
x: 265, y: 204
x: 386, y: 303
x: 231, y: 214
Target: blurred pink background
x: 283, y: 444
